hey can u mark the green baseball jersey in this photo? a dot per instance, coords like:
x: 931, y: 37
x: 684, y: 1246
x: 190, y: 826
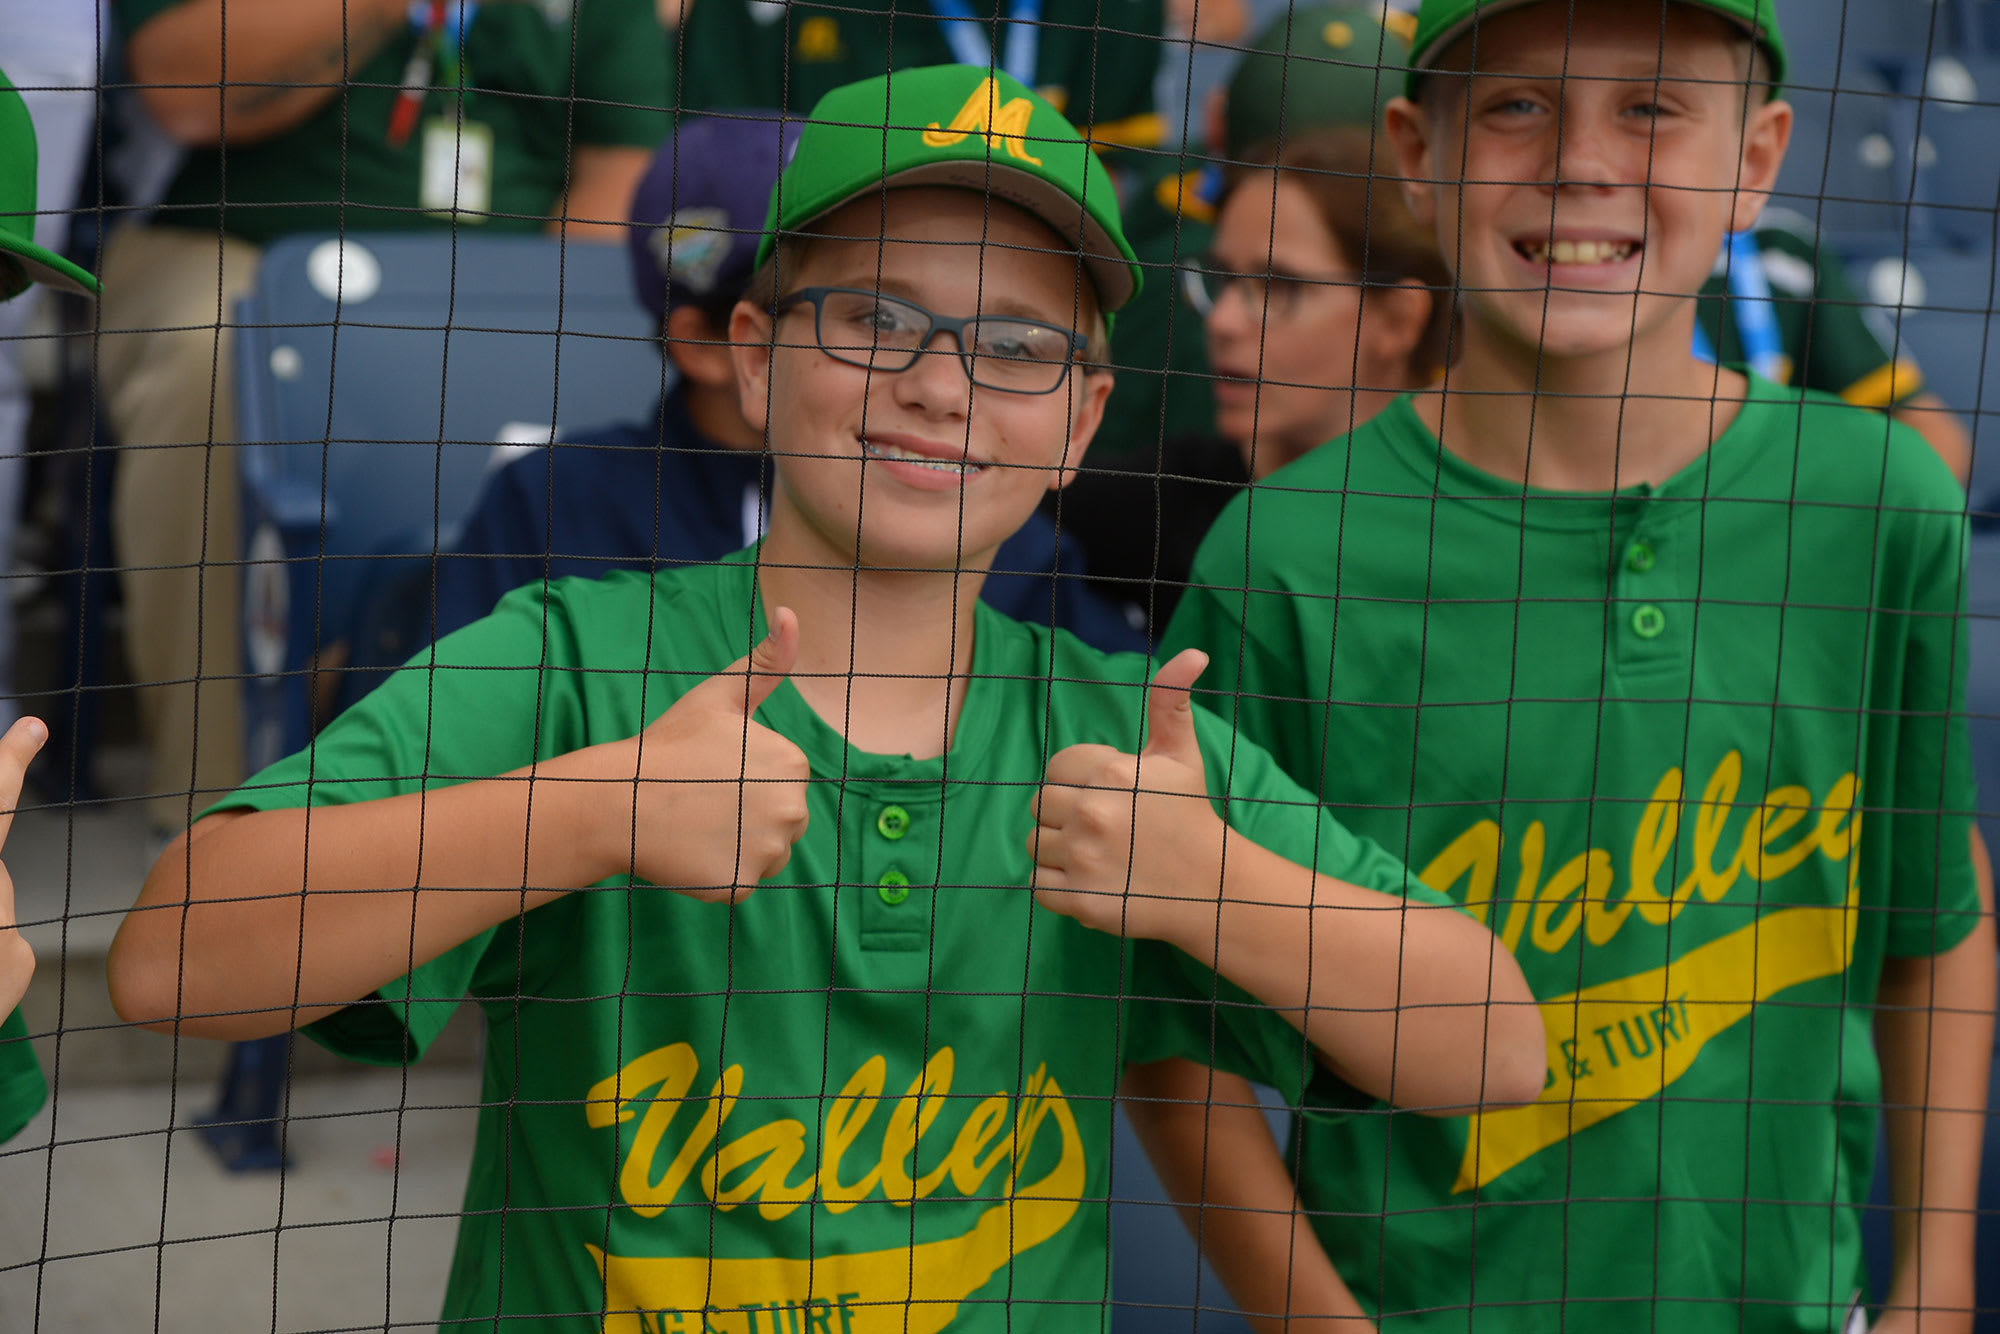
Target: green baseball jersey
x: 1833, y: 337
x: 540, y: 81
x: 873, y: 1096
x: 1696, y: 753
x: 1095, y: 60
x: 23, y: 1090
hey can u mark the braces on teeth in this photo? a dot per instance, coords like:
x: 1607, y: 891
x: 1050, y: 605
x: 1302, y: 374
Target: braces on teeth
x: 920, y: 460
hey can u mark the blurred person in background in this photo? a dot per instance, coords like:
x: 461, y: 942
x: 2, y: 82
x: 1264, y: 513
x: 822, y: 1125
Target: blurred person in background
x: 1323, y: 299
x: 1310, y: 68
x: 310, y: 116
x: 1161, y: 470
x: 1781, y: 303
x: 1096, y: 64
x: 51, y: 48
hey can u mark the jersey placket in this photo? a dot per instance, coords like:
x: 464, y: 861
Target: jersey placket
x: 1652, y: 615
x: 899, y: 859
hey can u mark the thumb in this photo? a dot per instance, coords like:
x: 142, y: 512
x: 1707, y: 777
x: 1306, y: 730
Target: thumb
x: 772, y: 661
x: 767, y: 666
x: 1170, y: 710
x: 19, y: 746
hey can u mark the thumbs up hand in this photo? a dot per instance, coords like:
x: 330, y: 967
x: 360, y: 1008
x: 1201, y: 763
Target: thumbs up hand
x: 17, y: 958
x: 716, y: 798
x: 1121, y: 842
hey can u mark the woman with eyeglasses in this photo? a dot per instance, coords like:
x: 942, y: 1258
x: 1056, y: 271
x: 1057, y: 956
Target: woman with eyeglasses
x: 1321, y: 300
x: 1321, y: 297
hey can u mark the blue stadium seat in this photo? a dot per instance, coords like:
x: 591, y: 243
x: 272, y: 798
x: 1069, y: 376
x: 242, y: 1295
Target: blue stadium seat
x: 1833, y: 42
x: 378, y: 379
x: 1941, y: 308
x: 1852, y: 167
x: 1960, y: 175
x: 1977, y: 25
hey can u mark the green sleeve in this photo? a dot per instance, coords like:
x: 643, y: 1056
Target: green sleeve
x: 22, y: 1088
x: 488, y: 699
x: 1933, y: 891
x: 624, y: 88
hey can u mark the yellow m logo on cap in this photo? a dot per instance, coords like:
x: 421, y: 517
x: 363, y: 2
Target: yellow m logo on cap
x: 985, y: 115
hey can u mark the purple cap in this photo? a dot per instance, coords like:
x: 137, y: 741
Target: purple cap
x: 698, y: 213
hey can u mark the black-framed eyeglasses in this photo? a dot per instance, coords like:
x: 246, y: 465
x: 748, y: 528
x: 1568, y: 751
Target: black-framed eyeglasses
x: 1273, y: 295
x: 888, y: 334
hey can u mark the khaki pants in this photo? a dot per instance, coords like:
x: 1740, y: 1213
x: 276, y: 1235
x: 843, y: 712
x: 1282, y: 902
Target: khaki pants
x: 169, y: 382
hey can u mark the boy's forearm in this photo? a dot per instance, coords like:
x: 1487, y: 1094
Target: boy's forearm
x: 1935, y: 1034
x: 1210, y: 1144
x: 1412, y: 1002
x: 216, y: 71
x: 260, y: 923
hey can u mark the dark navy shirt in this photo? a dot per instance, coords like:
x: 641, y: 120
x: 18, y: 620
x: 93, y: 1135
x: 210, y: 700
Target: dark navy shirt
x: 658, y: 494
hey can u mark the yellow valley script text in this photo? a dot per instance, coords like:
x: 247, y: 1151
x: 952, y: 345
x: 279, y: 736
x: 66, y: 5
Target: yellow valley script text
x: 1620, y: 1042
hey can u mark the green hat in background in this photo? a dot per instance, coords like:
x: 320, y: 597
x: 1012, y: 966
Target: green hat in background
x: 1442, y: 22
x: 22, y: 261
x: 957, y: 125
x: 1319, y: 66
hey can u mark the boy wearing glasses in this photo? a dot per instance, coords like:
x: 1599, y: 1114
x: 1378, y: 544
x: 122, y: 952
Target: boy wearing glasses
x: 736, y: 858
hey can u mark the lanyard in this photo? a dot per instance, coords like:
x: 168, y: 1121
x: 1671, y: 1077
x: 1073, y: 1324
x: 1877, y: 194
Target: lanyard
x: 440, y: 26
x: 965, y: 32
x: 1751, y: 307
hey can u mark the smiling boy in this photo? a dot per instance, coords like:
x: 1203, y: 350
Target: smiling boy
x: 1664, y: 664
x: 875, y: 1093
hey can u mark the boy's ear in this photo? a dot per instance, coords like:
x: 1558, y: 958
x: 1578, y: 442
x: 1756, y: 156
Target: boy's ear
x: 1766, y: 134
x: 1087, y: 414
x: 699, y: 349
x: 1409, y: 134
x: 750, y: 336
x: 1394, y: 321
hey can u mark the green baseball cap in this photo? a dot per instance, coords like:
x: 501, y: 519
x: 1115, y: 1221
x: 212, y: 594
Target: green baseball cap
x: 957, y: 125
x: 1442, y: 22
x: 22, y: 261
x: 1314, y: 68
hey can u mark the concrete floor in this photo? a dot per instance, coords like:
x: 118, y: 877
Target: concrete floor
x: 113, y: 1217
x: 112, y: 1221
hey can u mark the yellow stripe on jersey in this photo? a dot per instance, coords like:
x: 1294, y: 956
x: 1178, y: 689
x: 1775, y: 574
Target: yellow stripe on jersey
x: 1146, y: 130
x: 1182, y: 195
x: 1886, y: 385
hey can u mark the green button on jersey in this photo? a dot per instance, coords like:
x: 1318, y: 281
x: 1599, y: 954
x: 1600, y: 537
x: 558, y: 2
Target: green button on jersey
x: 820, y: 1013
x: 1458, y: 665
x: 23, y: 1090
x: 893, y: 822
